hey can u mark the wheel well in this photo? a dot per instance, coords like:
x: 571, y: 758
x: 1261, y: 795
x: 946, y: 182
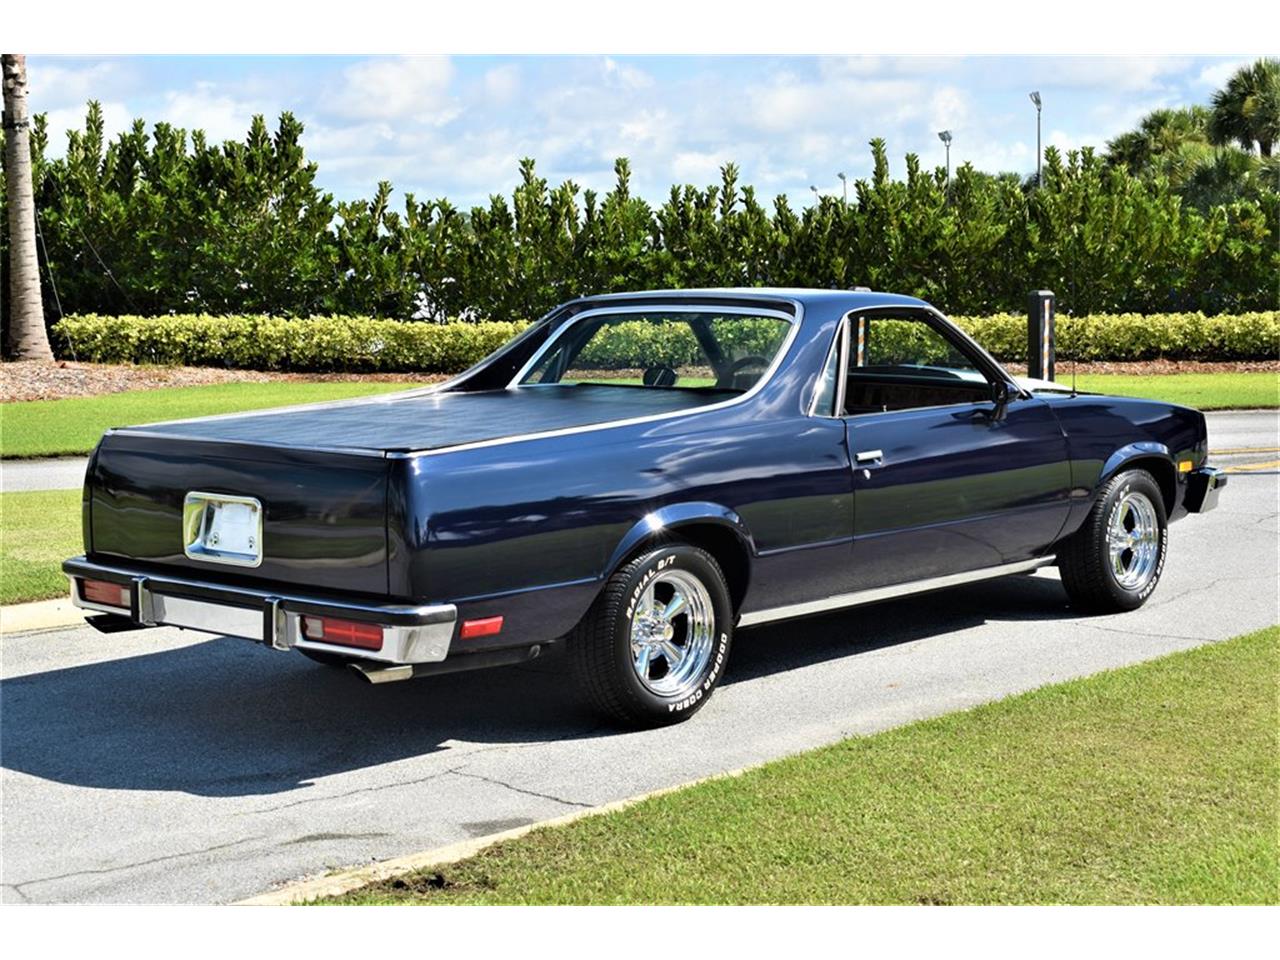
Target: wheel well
x: 1162, y: 471
x: 718, y: 540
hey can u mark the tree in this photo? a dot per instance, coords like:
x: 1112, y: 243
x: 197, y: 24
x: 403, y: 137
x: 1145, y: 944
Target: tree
x: 1247, y: 110
x: 1162, y: 137
x: 26, y: 312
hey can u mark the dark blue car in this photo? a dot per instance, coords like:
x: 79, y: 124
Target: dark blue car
x: 635, y: 476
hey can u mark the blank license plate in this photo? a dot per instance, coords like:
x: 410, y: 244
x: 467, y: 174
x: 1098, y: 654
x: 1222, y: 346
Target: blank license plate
x: 222, y: 529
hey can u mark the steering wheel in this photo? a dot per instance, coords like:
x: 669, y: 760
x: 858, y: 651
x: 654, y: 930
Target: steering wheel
x: 728, y: 378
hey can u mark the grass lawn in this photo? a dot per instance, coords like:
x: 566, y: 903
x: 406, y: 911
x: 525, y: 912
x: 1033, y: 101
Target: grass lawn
x: 1204, y: 391
x: 48, y: 428
x: 1155, y: 783
x: 38, y: 530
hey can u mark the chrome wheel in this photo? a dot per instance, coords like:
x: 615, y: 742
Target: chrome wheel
x: 672, y: 633
x: 1133, y: 540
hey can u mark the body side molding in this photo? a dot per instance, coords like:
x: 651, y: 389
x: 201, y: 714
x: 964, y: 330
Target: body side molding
x: 890, y: 592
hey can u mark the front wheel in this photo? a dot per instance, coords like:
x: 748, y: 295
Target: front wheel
x: 1114, y: 561
x: 655, y: 643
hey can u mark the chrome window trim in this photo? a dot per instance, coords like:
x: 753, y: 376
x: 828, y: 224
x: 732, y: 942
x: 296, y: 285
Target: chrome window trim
x: 651, y: 308
x: 876, y: 594
x: 985, y: 360
x: 795, y: 320
x: 840, y: 344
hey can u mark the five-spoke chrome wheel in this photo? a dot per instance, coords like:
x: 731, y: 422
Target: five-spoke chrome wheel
x: 1133, y: 540
x: 672, y: 633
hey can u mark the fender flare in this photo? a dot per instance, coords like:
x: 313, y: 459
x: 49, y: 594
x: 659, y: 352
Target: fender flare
x: 671, y: 518
x: 1141, y: 450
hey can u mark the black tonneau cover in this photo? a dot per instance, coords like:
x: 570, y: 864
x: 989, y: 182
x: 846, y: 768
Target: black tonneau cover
x: 431, y: 421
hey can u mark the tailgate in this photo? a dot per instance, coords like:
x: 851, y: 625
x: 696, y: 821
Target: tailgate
x: 323, y: 512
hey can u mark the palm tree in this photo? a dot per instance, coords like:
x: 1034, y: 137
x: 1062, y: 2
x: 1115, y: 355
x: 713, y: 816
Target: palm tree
x: 26, y: 312
x: 1161, y: 135
x: 1247, y: 110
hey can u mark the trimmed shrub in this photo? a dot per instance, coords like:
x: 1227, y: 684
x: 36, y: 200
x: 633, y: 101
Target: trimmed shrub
x: 364, y: 344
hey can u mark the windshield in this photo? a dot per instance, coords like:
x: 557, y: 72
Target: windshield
x: 663, y: 350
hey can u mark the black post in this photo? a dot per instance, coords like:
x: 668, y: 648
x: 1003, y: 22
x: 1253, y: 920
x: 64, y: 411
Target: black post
x: 1040, y: 344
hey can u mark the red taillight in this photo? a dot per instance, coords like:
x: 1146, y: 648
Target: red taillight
x: 343, y: 633
x: 480, y: 628
x: 109, y: 594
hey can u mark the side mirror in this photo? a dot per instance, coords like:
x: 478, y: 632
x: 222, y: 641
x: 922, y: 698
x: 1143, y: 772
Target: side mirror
x: 1001, y: 394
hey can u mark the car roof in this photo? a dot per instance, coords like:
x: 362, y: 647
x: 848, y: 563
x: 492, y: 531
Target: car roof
x: 806, y: 296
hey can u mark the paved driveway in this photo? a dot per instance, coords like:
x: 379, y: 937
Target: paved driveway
x: 157, y: 766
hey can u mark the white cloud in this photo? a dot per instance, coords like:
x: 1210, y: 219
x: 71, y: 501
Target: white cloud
x: 502, y: 83
x: 53, y: 86
x: 1216, y: 75
x: 1122, y: 74
x: 219, y: 115
x: 948, y: 109
x: 405, y: 87
x: 791, y: 104
x: 115, y: 120
x: 624, y: 75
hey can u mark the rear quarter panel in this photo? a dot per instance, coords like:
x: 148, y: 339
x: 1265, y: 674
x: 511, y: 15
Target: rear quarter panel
x: 529, y: 529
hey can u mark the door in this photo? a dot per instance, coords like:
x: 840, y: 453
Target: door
x: 946, y: 480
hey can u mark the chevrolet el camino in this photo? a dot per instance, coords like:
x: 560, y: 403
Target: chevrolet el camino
x: 636, y: 476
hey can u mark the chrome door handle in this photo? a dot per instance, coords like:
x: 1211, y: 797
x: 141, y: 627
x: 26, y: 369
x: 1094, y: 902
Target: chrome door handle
x: 867, y: 456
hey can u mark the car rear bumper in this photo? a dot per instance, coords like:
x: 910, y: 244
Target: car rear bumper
x: 1203, y: 487
x: 410, y: 634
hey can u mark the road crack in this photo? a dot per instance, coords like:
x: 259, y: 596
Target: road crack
x: 130, y: 866
x: 532, y: 793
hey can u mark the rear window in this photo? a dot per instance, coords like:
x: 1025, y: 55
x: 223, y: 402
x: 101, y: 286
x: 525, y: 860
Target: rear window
x: 662, y: 350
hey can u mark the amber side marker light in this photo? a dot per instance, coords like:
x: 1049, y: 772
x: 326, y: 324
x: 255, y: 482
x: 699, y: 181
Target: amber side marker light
x: 343, y: 633
x: 108, y: 594
x: 487, y: 627
x: 1184, y: 466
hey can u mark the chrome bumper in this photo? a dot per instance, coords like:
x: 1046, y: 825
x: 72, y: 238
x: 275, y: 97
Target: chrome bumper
x: 409, y: 634
x: 1203, y: 487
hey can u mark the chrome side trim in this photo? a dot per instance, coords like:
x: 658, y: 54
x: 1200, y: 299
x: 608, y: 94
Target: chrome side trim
x: 875, y: 595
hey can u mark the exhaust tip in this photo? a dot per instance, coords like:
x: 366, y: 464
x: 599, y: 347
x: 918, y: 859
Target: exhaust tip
x: 383, y: 673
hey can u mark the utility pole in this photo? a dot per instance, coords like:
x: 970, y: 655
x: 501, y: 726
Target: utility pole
x: 26, y: 311
x: 945, y: 137
x: 1035, y: 98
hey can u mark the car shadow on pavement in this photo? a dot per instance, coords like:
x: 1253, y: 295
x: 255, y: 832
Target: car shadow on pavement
x: 230, y: 718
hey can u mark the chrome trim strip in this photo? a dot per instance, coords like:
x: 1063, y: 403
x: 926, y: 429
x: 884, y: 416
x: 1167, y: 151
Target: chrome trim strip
x: 642, y: 309
x: 877, y: 594
x: 764, y: 380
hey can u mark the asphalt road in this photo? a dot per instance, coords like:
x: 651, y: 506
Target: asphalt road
x: 158, y: 766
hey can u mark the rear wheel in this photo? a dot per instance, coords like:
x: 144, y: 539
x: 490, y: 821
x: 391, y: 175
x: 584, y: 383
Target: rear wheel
x: 1113, y: 563
x: 656, y: 641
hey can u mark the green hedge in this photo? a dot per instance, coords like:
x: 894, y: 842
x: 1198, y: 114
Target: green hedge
x: 369, y: 345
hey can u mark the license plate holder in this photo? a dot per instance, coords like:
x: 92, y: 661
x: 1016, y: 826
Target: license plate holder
x: 222, y: 528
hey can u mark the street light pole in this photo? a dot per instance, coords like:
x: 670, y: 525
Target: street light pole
x: 1035, y: 98
x: 945, y: 137
x: 817, y: 199
x: 844, y: 188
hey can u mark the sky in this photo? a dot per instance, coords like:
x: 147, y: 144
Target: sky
x: 457, y: 127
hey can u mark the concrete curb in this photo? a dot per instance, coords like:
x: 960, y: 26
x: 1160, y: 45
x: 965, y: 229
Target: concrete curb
x: 41, y: 615
x: 344, y: 881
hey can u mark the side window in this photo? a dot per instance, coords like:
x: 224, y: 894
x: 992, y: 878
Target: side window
x: 900, y: 361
